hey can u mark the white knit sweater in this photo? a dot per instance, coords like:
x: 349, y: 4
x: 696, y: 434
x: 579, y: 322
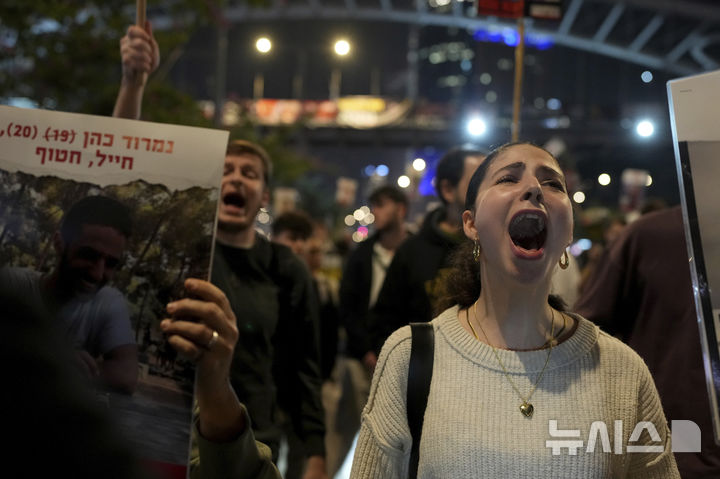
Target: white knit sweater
x: 474, y: 429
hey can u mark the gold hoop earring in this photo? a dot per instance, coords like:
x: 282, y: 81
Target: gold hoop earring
x: 476, y: 250
x: 564, y: 261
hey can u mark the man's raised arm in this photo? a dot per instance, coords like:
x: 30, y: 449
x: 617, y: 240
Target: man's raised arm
x: 140, y: 57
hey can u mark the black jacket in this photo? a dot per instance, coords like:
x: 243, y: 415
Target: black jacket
x: 355, y: 298
x: 415, y: 279
x: 276, y: 362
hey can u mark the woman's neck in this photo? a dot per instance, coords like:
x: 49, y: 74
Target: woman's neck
x: 515, y: 316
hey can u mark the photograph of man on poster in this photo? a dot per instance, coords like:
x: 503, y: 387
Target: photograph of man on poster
x: 101, y: 250
x: 91, y: 314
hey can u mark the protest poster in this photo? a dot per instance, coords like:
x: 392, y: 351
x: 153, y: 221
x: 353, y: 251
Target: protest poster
x: 167, y: 178
x: 696, y: 134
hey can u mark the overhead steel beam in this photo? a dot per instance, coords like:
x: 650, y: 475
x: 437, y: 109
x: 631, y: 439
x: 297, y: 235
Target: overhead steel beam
x: 622, y: 53
x: 570, y: 16
x: 674, y: 7
x: 609, y: 23
x: 421, y: 6
x: 418, y: 15
x: 650, y: 29
x: 686, y: 44
x: 457, y: 9
x: 698, y: 52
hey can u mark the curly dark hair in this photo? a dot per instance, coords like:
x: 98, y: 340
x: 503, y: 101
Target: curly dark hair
x: 462, y: 285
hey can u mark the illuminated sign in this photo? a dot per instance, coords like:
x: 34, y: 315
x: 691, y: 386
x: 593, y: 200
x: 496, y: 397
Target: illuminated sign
x: 502, y: 8
x: 543, y: 9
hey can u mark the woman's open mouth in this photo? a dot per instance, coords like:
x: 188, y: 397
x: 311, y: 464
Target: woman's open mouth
x: 528, y: 232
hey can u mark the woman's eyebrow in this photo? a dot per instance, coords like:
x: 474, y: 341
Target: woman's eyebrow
x: 549, y: 170
x: 518, y: 165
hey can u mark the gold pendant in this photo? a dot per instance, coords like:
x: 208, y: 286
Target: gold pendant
x: 527, y: 409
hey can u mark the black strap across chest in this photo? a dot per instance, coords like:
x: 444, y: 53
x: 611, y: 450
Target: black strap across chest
x: 418, y: 388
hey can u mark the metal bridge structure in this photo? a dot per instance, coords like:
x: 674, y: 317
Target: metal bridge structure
x: 678, y: 37
x: 681, y: 37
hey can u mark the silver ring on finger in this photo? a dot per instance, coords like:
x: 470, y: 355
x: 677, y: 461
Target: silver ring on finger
x: 213, y: 340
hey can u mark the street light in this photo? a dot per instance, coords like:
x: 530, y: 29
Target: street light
x: 342, y: 47
x: 476, y: 126
x: 645, y: 128
x: 263, y: 44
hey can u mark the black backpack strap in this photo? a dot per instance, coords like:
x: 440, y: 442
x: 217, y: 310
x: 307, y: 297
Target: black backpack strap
x: 418, y: 386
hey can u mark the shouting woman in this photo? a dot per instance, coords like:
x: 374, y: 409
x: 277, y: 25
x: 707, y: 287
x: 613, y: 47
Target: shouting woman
x: 520, y: 388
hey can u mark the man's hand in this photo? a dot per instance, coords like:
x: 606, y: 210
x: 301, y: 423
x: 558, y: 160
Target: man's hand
x: 315, y: 468
x: 204, y: 329
x: 139, y: 52
x: 140, y: 57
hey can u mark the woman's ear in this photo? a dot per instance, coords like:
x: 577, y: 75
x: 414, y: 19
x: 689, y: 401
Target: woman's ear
x: 468, y: 220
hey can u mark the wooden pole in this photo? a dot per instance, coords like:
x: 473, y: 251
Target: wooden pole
x: 517, y: 92
x: 140, y: 15
x: 140, y: 8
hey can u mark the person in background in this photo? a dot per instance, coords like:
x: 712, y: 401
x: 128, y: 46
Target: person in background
x: 297, y: 231
x: 366, y: 267
x: 276, y: 363
x: 612, y: 228
x: 362, y: 279
x: 508, y: 360
x: 325, y: 289
x: 415, y: 278
x: 293, y: 229
x: 643, y: 294
x: 327, y: 296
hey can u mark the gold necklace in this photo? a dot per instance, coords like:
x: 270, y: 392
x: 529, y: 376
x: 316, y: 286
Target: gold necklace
x: 526, y: 408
